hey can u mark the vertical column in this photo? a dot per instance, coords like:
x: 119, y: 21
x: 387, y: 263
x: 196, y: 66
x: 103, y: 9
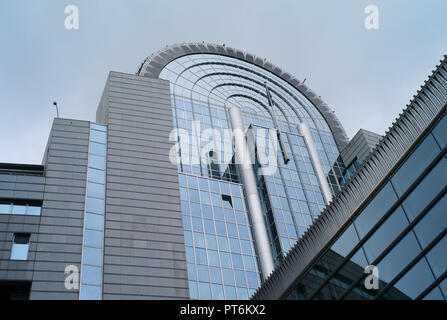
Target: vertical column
x: 305, y: 132
x: 93, y: 232
x: 251, y: 191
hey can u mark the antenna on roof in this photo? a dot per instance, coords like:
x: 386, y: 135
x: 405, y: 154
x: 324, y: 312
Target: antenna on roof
x: 57, y: 109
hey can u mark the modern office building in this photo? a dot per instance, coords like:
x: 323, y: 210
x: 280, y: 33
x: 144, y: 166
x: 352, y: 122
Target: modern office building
x: 389, y: 222
x: 157, y: 199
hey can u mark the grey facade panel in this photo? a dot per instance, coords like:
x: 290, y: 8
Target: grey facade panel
x: 59, y: 240
x: 143, y: 229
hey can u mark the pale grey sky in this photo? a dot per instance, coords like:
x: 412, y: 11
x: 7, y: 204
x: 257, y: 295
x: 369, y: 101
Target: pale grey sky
x: 367, y: 76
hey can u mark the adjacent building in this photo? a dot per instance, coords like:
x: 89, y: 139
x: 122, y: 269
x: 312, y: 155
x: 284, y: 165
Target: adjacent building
x: 388, y: 223
x: 202, y: 177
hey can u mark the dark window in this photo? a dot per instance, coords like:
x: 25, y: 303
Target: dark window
x: 20, y: 246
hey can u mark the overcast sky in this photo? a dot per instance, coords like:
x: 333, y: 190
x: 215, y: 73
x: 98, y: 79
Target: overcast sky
x: 367, y: 76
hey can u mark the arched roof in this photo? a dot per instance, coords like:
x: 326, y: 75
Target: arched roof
x: 155, y: 63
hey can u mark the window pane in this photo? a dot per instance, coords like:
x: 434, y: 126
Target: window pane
x: 375, y: 209
x: 90, y: 293
x: 437, y: 257
x: 98, y: 162
x: 19, y: 251
x: 95, y: 190
x: 98, y: 127
x: 98, y: 136
x: 426, y: 190
x: 95, y: 205
x: 432, y: 223
x: 34, y: 211
x: 416, y: 280
x: 93, y: 238
x: 18, y: 209
x: 96, y: 175
x: 91, y: 275
x: 386, y: 233
x: 204, y: 291
x: 98, y: 148
x: 440, y: 132
x: 398, y: 257
x: 5, y: 208
x: 92, y: 256
x: 94, y: 221
x: 346, y: 241
x: 415, y: 164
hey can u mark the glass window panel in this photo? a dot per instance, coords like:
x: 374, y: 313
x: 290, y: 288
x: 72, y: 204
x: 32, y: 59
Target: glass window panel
x: 98, y: 136
x: 435, y: 294
x: 398, y: 257
x: 34, y: 210
x: 209, y: 226
x: 98, y: 162
x: 215, y: 275
x: 98, y: 148
x: 193, y: 290
x: 427, y: 189
x: 416, y: 280
x: 199, y: 239
x: 443, y: 286
x: 234, y: 245
x: 240, y: 278
x: 98, y: 127
x: 201, y: 256
x: 5, y: 208
x: 386, y: 233
x: 218, y: 292
x: 204, y: 291
x: 249, y: 264
x: 19, y: 251
x: 346, y: 242
x: 223, y: 243
x: 18, y: 209
x: 93, y: 238
x: 432, y: 223
x: 440, y: 132
x: 437, y: 257
x: 192, y: 274
x: 415, y: 164
x: 227, y: 275
x: 94, y: 221
x: 92, y: 256
x: 197, y: 224
x: 95, y: 205
x: 242, y: 293
x: 90, y: 292
x: 95, y: 175
x: 91, y: 274
x: 230, y: 293
x: 211, y: 242
x: 95, y: 190
x: 225, y: 259
x: 213, y: 258
x: 237, y: 261
x: 202, y: 273
x: 189, y: 251
x: 252, y: 279
x: 382, y: 201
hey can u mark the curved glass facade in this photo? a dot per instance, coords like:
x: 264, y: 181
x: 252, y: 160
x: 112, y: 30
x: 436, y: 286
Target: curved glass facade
x: 221, y: 254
